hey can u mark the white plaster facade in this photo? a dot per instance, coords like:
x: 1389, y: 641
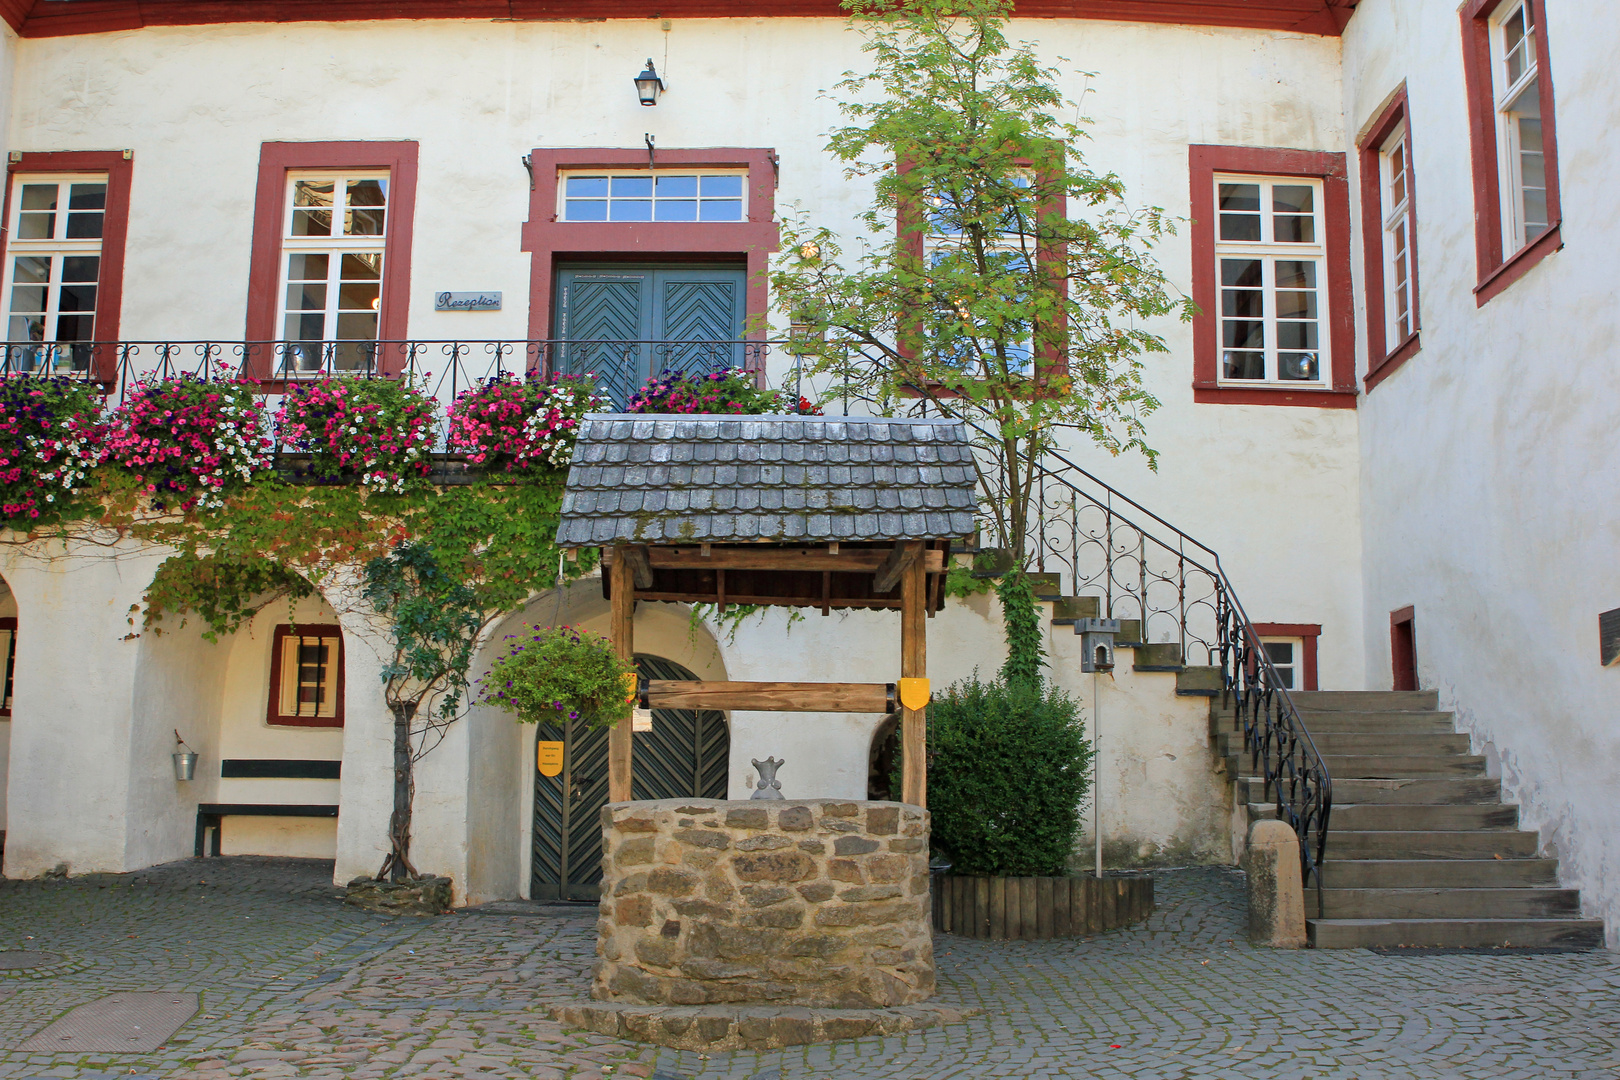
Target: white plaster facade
x: 1473, y: 483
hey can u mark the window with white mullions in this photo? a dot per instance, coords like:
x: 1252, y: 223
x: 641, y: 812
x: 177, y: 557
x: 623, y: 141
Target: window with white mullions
x: 332, y: 267
x: 640, y: 195
x: 947, y: 249
x: 1398, y: 267
x: 1516, y: 86
x: 1286, y: 656
x: 53, y: 270
x: 1272, y: 273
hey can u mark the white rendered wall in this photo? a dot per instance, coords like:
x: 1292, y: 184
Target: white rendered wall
x: 80, y: 757
x: 8, y: 607
x: 1489, y: 486
x: 1273, y: 489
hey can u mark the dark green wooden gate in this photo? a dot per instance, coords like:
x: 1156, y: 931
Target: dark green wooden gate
x: 684, y: 756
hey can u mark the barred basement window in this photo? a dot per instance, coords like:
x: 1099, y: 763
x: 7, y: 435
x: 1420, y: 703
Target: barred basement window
x: 8, y: 649
x: 306, y: 676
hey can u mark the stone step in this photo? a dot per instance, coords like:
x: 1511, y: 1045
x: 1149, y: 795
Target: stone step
x: 1429, y: 844
x: 1455, y: 933
x: 1404, y: 744
x: 1509, y: 903
x: 1366, y: 700
x: 1396, y: 817
x: 1321, y: 723
x: 1408, y: 792
x: 1439, y: 873
x: 1402, y: 766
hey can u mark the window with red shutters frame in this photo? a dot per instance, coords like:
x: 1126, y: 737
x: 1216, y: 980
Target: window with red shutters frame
x: 1499, y: 268
x: 911, y: 232
x: 1328, y: 168
x: 273, y: 712
x: 276, y: 160
x: 119, y: 167
x: 1384, y: 356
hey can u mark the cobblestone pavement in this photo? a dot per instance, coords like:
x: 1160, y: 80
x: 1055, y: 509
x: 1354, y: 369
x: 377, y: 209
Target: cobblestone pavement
x: 292, y: 984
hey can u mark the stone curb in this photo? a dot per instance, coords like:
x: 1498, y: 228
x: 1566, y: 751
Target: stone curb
x: 720, y: 1027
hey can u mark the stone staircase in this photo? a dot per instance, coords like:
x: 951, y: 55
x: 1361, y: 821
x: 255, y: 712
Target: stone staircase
x: 1421, y: 850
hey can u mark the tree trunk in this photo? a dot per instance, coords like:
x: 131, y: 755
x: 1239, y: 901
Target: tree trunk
x: 397, y: 866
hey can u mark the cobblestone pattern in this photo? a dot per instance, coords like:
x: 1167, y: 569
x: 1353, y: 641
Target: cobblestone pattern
x: 816, y: 902
x: 294, y: 985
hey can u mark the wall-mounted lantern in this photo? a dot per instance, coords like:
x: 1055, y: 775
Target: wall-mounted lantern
x: 649, y: 85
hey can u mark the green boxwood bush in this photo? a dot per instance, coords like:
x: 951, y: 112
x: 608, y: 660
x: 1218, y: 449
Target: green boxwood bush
x: 1009, y: 769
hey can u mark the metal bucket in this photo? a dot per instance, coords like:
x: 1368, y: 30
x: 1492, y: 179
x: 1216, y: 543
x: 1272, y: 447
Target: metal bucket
x: 185, y: 764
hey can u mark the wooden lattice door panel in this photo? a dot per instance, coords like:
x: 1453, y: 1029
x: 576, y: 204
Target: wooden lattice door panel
x: 685, y: 756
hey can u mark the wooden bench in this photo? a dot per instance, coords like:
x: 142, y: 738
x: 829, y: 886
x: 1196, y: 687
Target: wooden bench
x: 210, y: 814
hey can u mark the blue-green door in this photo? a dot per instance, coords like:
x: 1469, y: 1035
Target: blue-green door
x: 627, y: 322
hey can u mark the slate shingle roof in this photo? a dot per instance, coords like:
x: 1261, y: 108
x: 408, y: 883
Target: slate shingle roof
x: 717, y: 479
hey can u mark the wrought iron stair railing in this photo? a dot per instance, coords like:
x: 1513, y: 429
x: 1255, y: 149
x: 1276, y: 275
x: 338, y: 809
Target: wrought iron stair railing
x: 1142, y: 568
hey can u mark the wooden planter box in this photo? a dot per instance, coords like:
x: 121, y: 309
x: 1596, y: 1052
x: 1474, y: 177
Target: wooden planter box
x: 1036, y: 908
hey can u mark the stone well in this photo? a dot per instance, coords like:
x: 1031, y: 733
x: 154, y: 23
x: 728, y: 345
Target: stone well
x: 815, y: 903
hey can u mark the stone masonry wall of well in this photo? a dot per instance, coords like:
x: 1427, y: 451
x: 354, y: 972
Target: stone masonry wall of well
x: 814, y: 903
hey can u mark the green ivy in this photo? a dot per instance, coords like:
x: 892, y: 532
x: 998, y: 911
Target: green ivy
x: 1021, y: 624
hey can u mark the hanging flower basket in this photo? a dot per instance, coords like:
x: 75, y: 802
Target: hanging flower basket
x: 190, y: 441
x: 552, y: 674
x: 516, y: 425
x: 374, y: 432
x: 51, y: 436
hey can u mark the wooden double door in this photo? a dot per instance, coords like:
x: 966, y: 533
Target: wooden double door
x: 626, y: 322
x: 684, y: 756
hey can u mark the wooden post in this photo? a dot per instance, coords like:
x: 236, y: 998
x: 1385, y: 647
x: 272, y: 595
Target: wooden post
x: 621, y: 737
x: 914, y: 665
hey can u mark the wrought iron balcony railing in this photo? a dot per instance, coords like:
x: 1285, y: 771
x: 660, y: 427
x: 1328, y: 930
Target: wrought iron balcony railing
x: 446, y: 367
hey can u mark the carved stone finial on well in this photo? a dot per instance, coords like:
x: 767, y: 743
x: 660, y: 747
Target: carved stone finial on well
x: 769, y: 786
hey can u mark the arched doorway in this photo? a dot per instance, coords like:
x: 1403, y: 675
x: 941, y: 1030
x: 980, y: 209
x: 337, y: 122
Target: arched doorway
x: 684, y: 756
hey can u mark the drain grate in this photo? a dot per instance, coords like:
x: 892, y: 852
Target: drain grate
x: 129, y: 1023
x: 22, y: 959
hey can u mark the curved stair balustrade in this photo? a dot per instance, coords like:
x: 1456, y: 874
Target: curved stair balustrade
x: 1160, y: 581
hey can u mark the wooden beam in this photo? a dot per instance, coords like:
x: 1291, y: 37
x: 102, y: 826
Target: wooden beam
x: 767, y: 601
x: 903, y: 555
x: 640, y: 568
x: 859, y: 561
x: 772, y: 696
x: 622, y: 631
x: 914, y: 665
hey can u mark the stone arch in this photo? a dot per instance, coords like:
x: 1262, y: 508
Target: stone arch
x: 501, y: 771
x: 216, y: 695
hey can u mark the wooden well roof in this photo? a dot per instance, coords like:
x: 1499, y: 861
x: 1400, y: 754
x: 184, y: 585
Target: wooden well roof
x: 668, y: 480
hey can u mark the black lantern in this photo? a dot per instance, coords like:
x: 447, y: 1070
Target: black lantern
x: 649, y: 85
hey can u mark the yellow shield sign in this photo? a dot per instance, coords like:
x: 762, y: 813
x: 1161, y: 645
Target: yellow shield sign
x: 549, y: 757
x: 914, y: 693
x: 632, y: 688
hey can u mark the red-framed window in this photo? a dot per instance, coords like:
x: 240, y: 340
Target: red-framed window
x: 8, y: 649
x: 1292, y: 649
x: 751, y: 237
x: 65, y: 233
x: 1271, y: 278
x: 306, y: 677
x: 1389, y: 240
x: 1507, y: 69
x: 332, y: 227
x: 919, y: 228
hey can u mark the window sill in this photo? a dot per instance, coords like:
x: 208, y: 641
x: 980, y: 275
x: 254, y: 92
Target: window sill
x: 1398, y: 356
x: 306, y: 721
x: 1518, y: 265
x: 1222, y: 394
